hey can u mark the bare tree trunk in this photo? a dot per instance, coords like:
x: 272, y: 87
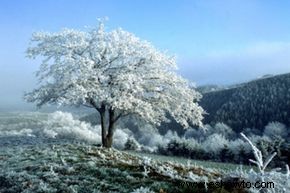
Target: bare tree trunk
x: 111, y: 128
x: 103, y: 126
x: 102, y: 111
x: 107, y: 129
x: 108, y: 142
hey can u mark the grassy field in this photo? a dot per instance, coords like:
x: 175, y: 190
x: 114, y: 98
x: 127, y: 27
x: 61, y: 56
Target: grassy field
x: 81, y: 168
x: 221, y: 167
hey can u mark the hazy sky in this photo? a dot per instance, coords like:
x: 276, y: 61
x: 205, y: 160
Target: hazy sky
x: 216, y: 41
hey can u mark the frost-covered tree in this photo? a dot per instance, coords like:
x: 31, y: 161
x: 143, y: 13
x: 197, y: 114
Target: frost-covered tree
x: 215, y: 143
x: 224, y: 130
x: 275, y: 129
x: 113, y: 72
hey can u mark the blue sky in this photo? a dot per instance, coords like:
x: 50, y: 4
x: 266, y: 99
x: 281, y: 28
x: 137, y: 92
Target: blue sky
x: 216, y: 41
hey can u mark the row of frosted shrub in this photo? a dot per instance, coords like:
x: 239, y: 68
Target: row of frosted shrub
x: 217, y: 148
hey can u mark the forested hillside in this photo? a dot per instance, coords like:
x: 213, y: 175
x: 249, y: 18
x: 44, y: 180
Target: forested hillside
x: 250, y: 105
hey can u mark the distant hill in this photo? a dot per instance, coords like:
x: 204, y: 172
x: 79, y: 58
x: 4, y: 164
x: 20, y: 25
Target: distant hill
x: 249, y: 105
x: 210, y: 88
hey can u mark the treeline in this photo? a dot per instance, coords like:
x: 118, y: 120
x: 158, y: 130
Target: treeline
x: 250, y: 105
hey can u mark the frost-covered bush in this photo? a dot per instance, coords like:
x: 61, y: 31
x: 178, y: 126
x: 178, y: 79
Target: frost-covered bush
x: 33, y: 128
x: 153, y: 139
x: 236, y: 145
x: 180, y: 147
x: 279, y: 180
x: 120, y: 138
x: 264, y: 143
x: 269, y: 145
x: 214, y: 147
x: 239, y: 150
x: 149, y: 136
x: 220, y: 144
x: 171, y: 135
x: 260, y: 139
x: 198, y: 134
x: 275, y: 129
x: 224, y: 130
x: 150, y: 139
x: 131, y: 144
x: 207, y: 130
x: 63, y: 125
x: 215, y: 143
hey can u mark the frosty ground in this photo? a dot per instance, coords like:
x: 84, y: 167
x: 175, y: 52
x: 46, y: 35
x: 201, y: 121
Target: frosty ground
x: 33, y: 159
x: 55, y: 153
x: 84, y: 168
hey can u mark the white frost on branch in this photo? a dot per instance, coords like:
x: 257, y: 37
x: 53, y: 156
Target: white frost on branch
x: 113, y: 69
x: 258, y: 156
x: 280, y: 180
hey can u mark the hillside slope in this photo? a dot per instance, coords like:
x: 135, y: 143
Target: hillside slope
x: 83, y: 168
x: 250, y: 105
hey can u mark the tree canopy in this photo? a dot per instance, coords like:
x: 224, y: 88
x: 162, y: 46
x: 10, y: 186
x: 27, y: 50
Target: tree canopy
x: 114, y: 72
